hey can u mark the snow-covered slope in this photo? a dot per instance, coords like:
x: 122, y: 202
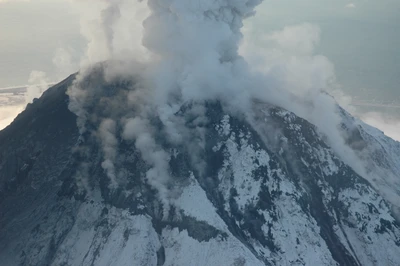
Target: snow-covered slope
x: 379, y: 154
x: 264, y: 189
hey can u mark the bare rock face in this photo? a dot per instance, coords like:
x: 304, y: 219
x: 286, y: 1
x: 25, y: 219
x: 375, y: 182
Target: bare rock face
x: 269, y: 191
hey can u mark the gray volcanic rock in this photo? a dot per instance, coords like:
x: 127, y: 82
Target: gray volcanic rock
x: 268, y: 191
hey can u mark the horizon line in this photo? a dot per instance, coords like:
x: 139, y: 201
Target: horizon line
x: 26, y: 86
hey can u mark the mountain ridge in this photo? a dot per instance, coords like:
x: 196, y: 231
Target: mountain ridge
x: 266, y: 191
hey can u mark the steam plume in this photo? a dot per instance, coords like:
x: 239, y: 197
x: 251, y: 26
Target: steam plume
x: 189, y: 52
x: 192, y: 49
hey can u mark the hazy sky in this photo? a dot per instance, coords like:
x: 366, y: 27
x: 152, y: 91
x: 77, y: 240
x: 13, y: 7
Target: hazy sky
x: 30, y: 34
x: 360, y: 37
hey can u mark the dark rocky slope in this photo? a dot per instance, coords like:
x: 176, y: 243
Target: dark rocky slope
x: 269, y: 191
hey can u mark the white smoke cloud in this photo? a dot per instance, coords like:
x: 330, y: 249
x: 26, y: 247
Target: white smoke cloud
x: 187, y: 50
x: 289, y: 64
x: 190, y: 53
x: 65, y: 62
x: 297, y: 39
x: 109, y: 142
x: 39, y: 83
x: 194, y: 48
x: 112, y: 29
x: 141, y: 132
x: 287, y: 57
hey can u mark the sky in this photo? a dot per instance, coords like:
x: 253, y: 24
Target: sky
x: 41, y: 40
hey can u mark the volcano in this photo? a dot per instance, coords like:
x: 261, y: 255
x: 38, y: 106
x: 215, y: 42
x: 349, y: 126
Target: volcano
x: 263, y: 188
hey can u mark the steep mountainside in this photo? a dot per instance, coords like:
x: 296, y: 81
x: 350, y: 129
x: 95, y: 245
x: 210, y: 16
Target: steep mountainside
x: 263, y: 189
